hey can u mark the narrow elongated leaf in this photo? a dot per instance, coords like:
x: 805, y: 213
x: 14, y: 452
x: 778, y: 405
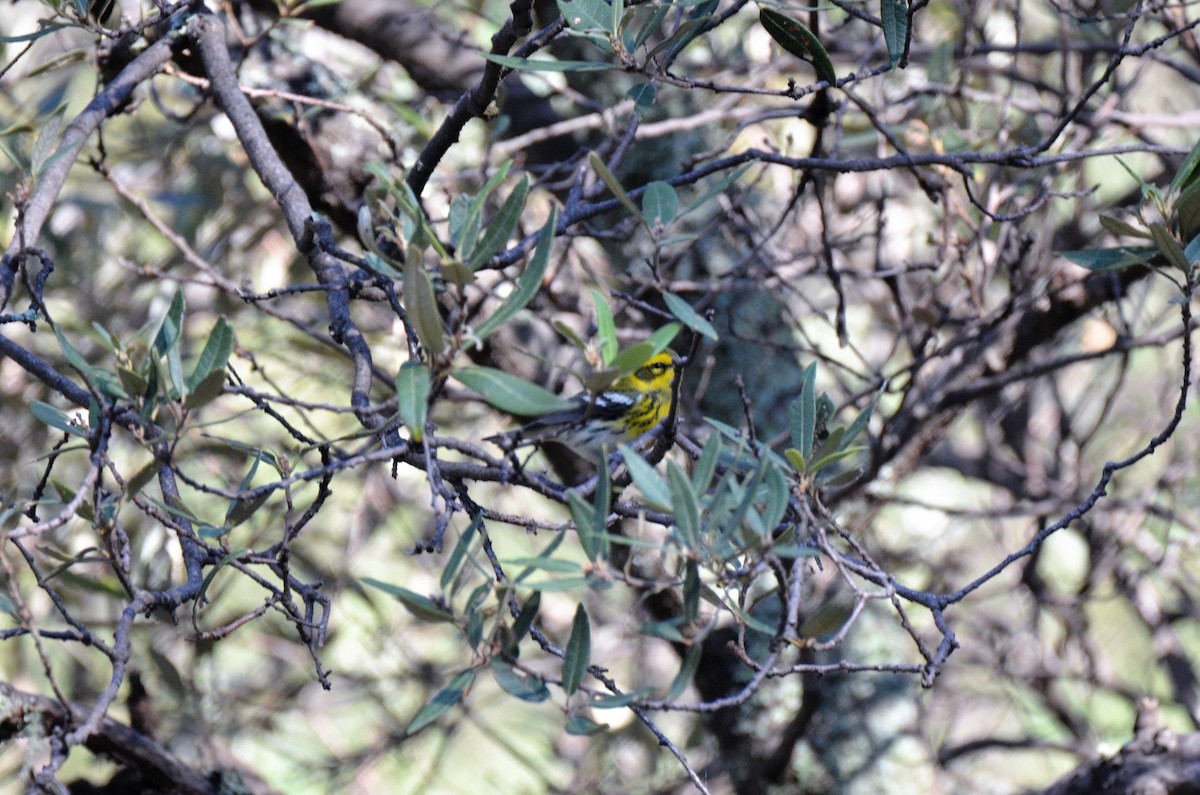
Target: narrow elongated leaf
x: 687, y: 511
x: 802, y: 413
x: 895, y: 27
x: 688, y: 316
x: 420, y: 606
x: 56, y: 419
x: 412, y: 397
x: 445, y: 698
x: 459, y: 554
x: 691, y: 591
x: 524, y: 619
x: 621, y: 699
x: 614, y: 184
x: 590, y: 537
x: 531, y: 65
x: 502, y: 226
x: 1168, y: 246
x: 1187, y: 169
x: 1118, y: 227
x: 801, y: 42
x: 606, y: 328
x: 552, y: 565
x: 509, y: 393
x: 600, y: 506
x: 578, y: 651
x: 635, y: 356
x: 1110, y: 259
x: 777, y: 499
x: 421, y: 305
x: 468, y: 232
x: 706, y: 466
x: 172, y: 325
x: 654, y: 489
x: 651, y: 25
x: 529, y: 283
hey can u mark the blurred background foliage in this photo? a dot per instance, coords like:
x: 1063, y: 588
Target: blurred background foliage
x: 1007, y: 376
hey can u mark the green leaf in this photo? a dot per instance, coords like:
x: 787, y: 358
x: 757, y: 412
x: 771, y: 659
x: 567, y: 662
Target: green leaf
x: 581, y: 726
x: 588, y: 15
x: 591, y: 538
x: 142, y: 477
x: 1187, y: 210
x: 1118, y: 227
x: 660, y: 204
x: 502, y: 226
x: 688, y: 316
x: 1110, y: 259
x: 860, y: 422
x: 530, y: 65
x: 802, y: 413
x: 613, y: 184
x: 617, y: 700
x: 509, y: 393
x: 446, y: 698
x: 702, y: 475
x: 691, y: 591
x: 568, y: 584
x: 56, y: 419
x: 525, y: 618
x: 801, y: 42
x: 1187, y: 169
x: 420, y: 606
x: 654, y: 489
x: 895, y: 27
x: 600, y: 506
x: 529, y: 283
x: 466, y: 235
x: 412, y: 397
x: 652, y: 25
x: 635, y: 356
x: 421, y: 305
x: 578, y: 652
x: 526, y: 688
x: 1168, y: 246
x: 543, y: 563
x: 826, y: 460
x: 606, y: 329
x: 242, y: 509
x: 107, y: 382
x: 459, y: 554
x: 172, y: 326
x: 691, y: 662
x: 643, y: 96
x: 205, y: 392
x: 777, y: 499
x: 687, y: 511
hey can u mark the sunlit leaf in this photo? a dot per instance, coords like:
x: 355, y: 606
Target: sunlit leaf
x: 509, y: 393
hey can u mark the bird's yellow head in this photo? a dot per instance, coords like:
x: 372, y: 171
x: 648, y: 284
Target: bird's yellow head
x: 654, y: 376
